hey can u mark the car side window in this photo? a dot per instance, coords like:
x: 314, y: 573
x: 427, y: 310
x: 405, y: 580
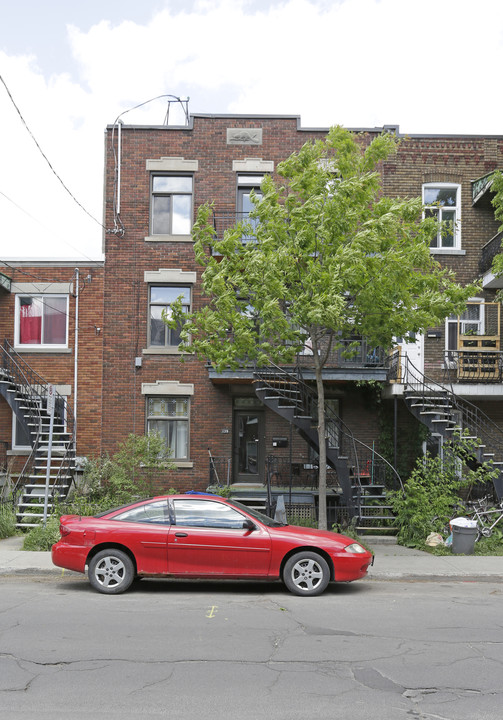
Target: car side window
x: 208, y: 514
x: 156, y: 512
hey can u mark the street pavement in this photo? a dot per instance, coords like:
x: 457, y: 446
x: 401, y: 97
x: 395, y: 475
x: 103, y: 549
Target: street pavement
x: 392, y: 562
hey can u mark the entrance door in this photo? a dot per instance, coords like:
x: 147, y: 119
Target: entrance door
x: 414, y: 351
x: 248, y: 447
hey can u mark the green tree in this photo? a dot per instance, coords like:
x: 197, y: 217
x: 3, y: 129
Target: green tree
x: 497, y: 201
x: 332, y: 258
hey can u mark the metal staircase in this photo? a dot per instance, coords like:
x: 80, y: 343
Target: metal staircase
x: 446, y: 414
x: 362, y: 474
x: 26, y: 393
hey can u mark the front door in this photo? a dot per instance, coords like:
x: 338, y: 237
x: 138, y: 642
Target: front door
x: 414, y: 352
x: 248, y: 446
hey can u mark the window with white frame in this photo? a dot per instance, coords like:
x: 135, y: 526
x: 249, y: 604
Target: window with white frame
x: 169, y: 416
x: 442, y: 201
x: 20, y: 433
x: 41, y: 321
x: 161, y: 298
x: 248, y: 184
x: 470, y: 322
x: 171, y: 204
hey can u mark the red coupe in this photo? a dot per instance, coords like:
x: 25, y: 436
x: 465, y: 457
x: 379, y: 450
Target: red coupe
x: 203, y: 536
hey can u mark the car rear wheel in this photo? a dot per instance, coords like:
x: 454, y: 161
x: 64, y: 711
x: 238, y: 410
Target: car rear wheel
x: 306, y: 573
x: 111, y: 571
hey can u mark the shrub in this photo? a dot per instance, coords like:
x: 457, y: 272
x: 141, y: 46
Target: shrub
x: 7, y: 520
x: 433, y: 490
x: 42, y: 538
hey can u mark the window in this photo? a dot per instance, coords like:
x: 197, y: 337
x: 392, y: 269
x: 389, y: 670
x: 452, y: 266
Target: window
x: 442, y: 201
x: 247, y: 184
x: 471, y: 322
x: 41, y: 321
x: 20, y: 435
x: 156, y: 512
x: 208, y: 514
x: 171, y: 209
x: 169, y: 416
x: 160, y: 300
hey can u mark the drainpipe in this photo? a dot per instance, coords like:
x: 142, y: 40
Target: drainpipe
x: 76, y: 355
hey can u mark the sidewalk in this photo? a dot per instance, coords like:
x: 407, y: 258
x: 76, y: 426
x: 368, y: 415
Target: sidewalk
x: 392, y: 562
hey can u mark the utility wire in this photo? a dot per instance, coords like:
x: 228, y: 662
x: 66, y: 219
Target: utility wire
x: 45, y: 156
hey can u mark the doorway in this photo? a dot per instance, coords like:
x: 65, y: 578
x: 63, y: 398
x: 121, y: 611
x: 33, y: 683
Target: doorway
x: 248, y: 447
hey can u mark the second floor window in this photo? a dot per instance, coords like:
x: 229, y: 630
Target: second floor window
x: 41, y: 321
x: 161, y: 299
x: 171, y: 206
x: 442, y: 201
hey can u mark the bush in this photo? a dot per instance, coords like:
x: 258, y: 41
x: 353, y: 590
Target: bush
x: 433, y: 490
x: 43, y: 538
x: 123, y: 478
x: 7, y: 520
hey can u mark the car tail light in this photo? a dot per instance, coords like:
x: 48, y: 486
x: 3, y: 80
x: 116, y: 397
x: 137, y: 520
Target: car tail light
x: 64, y: 530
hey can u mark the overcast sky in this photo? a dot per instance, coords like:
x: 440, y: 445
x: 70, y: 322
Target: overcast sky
x: 72, y: 67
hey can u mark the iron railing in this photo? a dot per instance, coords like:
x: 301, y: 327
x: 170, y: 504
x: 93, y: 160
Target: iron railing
x: 32, y: 389
x: 489, y: 252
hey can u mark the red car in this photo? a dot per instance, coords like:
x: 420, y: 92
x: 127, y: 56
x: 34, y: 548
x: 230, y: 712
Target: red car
x: 202, y: 536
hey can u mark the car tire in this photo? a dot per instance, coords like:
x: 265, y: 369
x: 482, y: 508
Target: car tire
x: 111, y: 571
x: 306, y: 573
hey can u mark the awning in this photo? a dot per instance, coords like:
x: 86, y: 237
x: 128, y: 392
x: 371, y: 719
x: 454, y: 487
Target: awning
x: 5, y: 282
x: 481, y: 190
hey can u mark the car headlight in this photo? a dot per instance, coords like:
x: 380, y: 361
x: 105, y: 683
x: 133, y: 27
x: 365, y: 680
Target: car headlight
x: 355, y: 548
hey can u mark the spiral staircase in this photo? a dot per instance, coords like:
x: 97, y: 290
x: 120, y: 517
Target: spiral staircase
x: 363, y: 476
x: 48, y: 465
x: 451, y: 417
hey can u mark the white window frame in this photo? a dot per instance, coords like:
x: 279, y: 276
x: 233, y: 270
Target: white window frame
x: 439, y: 247
x: 459, y: 322
x: 45, y: 298
x: 15, y: 445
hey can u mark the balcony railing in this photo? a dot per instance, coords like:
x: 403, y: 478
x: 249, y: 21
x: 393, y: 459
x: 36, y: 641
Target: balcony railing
x: 482, y: 366
x: 489, y: 252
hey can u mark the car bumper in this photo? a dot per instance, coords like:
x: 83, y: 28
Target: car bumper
x: 70, y: 557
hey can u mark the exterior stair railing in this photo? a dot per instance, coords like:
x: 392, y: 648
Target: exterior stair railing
x: 444, y: 412
x: 289, y: 395
x: 26, y: 393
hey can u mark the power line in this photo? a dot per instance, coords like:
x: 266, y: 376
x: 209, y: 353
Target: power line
x: 45, y: 156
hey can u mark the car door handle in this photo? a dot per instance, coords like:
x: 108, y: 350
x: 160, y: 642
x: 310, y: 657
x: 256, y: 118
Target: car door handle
x: 181, y: 534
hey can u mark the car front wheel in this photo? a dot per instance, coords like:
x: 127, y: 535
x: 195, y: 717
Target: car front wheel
x: 306, y: 573
x: 111, y: 571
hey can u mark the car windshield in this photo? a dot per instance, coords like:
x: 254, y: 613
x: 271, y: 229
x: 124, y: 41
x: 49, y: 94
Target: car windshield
x: 264, y: 519
x: 119, y: 507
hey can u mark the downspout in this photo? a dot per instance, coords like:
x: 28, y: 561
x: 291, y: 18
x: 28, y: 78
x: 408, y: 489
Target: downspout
x: 76, y: 356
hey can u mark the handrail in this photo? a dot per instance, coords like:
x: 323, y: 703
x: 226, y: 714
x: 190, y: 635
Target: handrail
x: 471, y: 415
x: 335, y: 426
x: 32, y: 385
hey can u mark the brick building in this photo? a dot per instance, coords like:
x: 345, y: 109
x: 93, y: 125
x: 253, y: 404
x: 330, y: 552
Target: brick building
x: 41, y: 305
x: 165, y: 174
x: 155, y: 179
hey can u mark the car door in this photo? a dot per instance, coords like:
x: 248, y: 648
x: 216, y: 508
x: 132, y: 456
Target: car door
x: 210, y: 538
x: 144, y: 530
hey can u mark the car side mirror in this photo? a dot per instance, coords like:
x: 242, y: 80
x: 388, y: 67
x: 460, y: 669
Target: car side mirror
x: 248, y: 525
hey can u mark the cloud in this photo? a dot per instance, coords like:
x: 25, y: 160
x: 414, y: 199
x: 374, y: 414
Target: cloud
x: 431, y: 68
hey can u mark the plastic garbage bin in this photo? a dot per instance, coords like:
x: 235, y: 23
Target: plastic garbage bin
x: 463, y: 539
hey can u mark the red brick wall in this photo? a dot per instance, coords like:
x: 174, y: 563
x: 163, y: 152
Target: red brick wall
x: 58, y: 367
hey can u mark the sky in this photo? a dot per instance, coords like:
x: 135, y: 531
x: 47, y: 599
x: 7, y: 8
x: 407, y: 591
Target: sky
x: 68, y: 69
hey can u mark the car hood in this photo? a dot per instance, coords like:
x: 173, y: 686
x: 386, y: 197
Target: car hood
x: 312, y: 536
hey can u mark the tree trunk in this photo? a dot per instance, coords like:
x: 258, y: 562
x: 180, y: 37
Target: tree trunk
x: 322, y: 445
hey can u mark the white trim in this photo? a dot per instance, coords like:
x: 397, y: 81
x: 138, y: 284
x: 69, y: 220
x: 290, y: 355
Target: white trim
x: 167, y: 387
x: 440, y: 249
x: 172, y: 164
x: 165, y: 275
x: 253, y: 165
x: 40, y: 347
x: 168, y: 238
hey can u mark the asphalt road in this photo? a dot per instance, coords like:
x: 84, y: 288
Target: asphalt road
x: 208, y: 650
